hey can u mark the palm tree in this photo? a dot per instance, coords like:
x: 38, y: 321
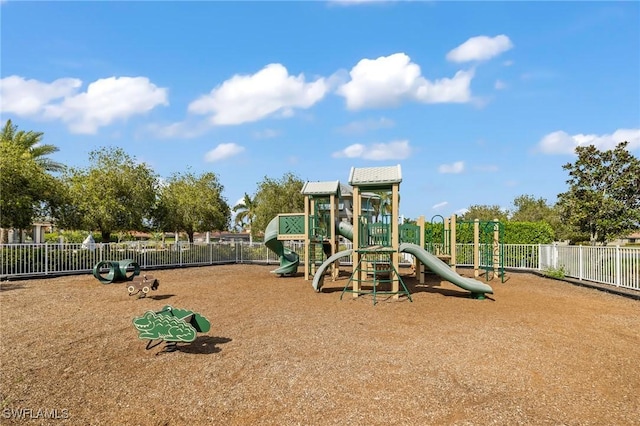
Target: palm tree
x: 30, y: 144
x: 246, y: 212
x: 385, y: 202
x: 27, y: 146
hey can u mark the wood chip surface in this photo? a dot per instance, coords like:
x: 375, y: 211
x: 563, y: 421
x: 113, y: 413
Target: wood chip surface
x: 538, y: 352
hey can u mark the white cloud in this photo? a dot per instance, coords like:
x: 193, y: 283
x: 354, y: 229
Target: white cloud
x: 560, y: 142
x: 363, y: 126
x: 106, y: 100
x: 389, y: 80
x: 29, y: 97
x: 457, y: 167
x: 508, y: 63
x: 222, y: 152
x: 461, y: 212
x: 395, y: 150
x: 480, y: 48
x: 499, y: 85
x: 440, y: 205
x: 247, y: 98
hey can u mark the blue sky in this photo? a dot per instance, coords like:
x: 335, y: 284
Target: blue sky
x: 479, y: 102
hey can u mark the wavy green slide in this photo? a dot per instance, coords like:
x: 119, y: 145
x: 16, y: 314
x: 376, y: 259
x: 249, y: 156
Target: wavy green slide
x: 477, y: 288
x: 346, y: 230
x: 289, y: 260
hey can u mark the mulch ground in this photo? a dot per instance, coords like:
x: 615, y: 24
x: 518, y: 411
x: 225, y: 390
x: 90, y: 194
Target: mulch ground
x: 539, y: 351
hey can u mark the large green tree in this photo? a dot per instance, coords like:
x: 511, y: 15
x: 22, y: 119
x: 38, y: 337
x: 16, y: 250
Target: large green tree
x: 192, y: 203
x: 484, y: 212
x: 27, y: 189
x: 527, y: 208
x: 114, y: 193
x: 275, y: 196
x: 603, y: 198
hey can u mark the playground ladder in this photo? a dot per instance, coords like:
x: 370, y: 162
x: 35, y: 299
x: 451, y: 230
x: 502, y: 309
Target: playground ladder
x: 378, y: 263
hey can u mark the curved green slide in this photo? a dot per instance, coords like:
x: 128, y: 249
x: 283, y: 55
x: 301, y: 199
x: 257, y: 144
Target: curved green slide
x: 346, y: 230
x: 289, y: 260
x: 443, y: 270
x: 318, y: 278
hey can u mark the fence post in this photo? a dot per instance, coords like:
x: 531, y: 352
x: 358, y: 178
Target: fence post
x: 580, y: 263
x: 46, y: 259
x: 617, y: 266
x: 539, y: 257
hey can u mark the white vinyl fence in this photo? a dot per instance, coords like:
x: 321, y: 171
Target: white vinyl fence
x: 616, y: 266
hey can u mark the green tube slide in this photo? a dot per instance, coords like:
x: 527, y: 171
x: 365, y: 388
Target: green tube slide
x: 289, y: 260
x: 477, y: 288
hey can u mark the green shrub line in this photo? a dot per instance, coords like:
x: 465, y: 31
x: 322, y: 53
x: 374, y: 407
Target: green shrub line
x: 514, y: 233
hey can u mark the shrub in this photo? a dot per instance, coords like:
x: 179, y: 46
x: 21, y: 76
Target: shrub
x: 555, y: 272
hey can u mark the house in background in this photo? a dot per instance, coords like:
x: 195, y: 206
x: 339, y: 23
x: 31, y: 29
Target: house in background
x: 633, y: 238
x: 39, y: 227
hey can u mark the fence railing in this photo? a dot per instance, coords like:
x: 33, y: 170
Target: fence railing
x: 616, y: 266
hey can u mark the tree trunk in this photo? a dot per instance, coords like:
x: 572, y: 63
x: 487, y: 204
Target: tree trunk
x: 106, y: 236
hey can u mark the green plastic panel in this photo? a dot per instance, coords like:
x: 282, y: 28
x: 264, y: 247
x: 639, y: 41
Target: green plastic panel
x: 291, y: 226
x: 409, y: 233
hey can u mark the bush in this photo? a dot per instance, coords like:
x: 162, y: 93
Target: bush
x: 67, y: 236
x: 558, y: 273
x: 512, y: 232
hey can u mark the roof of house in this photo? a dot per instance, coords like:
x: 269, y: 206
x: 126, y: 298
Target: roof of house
x: 375, y: 176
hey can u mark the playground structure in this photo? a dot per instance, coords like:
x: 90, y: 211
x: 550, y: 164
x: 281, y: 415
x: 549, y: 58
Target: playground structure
x: 376, y: 244
x: 487, y: 249
x: 110, y: 271
x: 322, y: 227
x: 142, y: 284
x: 377, y: 241
x: 170, y: 325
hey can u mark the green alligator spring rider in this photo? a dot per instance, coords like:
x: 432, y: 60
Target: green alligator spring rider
x: 170, y: 325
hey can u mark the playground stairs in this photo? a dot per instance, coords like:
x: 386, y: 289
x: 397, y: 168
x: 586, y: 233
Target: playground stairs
x: 375, y: 275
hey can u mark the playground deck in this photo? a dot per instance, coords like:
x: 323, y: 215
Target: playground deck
x: 538, y: 351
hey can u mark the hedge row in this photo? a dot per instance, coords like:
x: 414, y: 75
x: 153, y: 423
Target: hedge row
x: 511, y: 232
